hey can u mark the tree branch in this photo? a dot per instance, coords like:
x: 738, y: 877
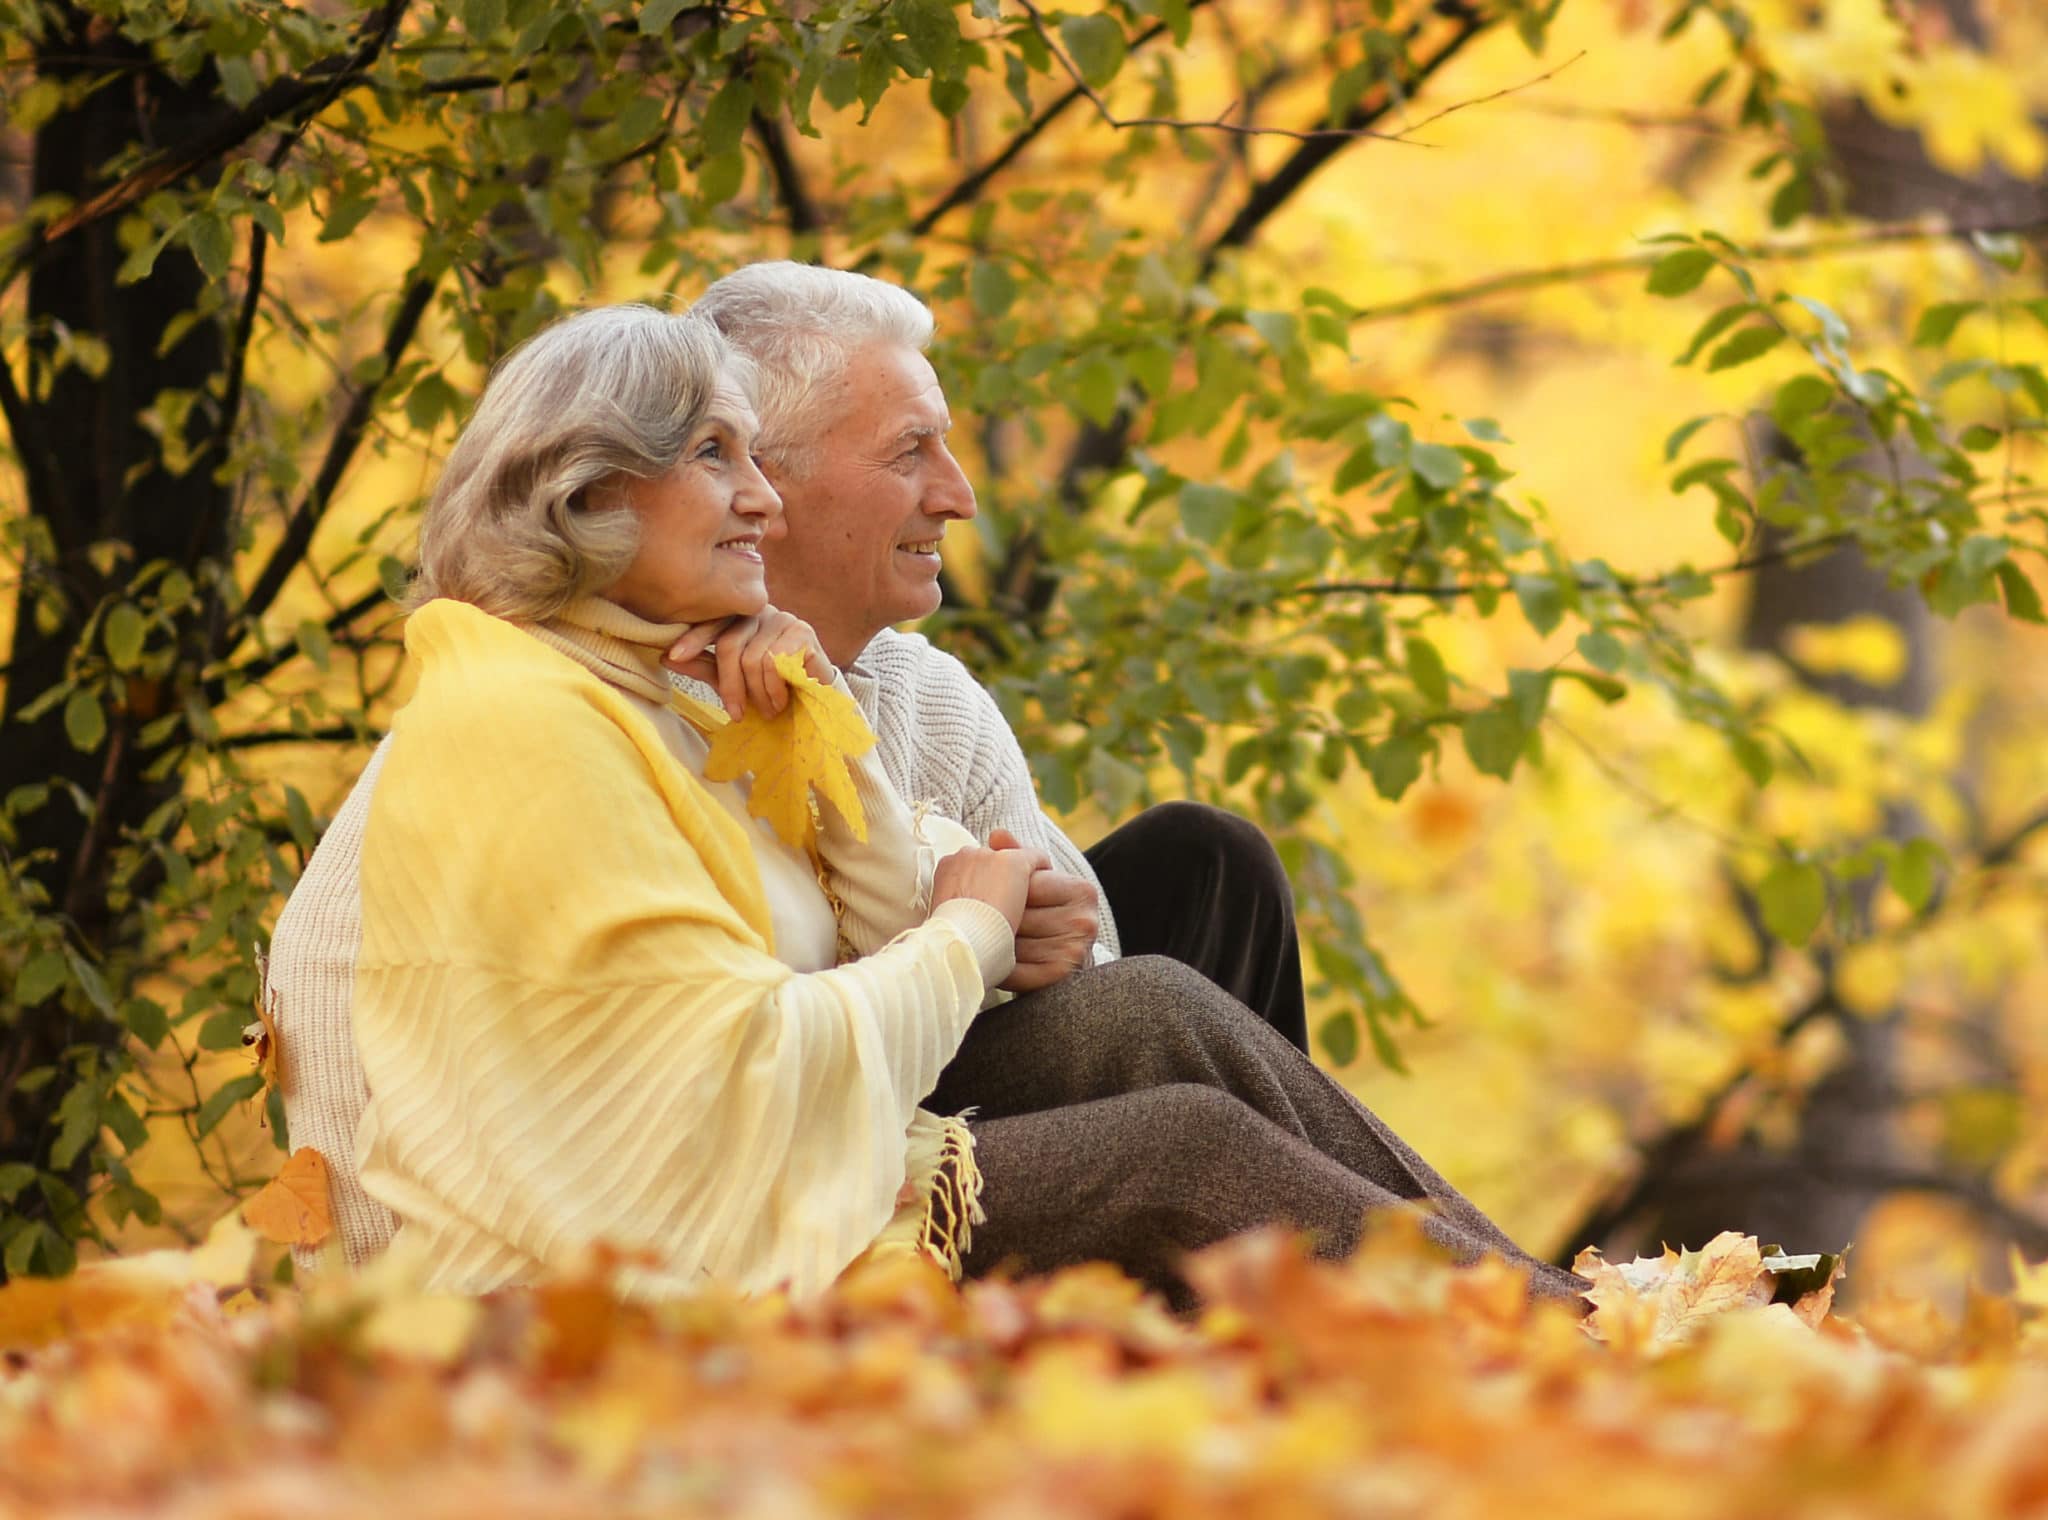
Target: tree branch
x: 1622, y: 585
x: 348, y: 437
x: 1663, y: 1155
x: 208, y: 523
x: 258, y: 666
x: 335, y: 733
x: 1273, y: 192
x: 1590, y: 269
x: 299, y: 97
x: 789, y: 179
x: 970, y: 185
x: 1023, y: 573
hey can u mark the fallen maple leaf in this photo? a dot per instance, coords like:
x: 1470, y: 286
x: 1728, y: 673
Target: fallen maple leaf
x: 803, y: 748
x: 1653, y: 1303
x: 293, y: 1208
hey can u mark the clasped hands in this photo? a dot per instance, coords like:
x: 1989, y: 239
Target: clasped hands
x: 1052, y: 912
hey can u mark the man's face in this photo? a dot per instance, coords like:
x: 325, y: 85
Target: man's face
x: 861, y: 550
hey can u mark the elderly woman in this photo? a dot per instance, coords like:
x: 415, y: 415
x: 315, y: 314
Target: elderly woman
x: 598, y: 1002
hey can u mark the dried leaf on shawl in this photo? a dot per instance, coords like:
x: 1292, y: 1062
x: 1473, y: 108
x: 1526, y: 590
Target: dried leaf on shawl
x: 294, y: 1208
x: 802, y: 750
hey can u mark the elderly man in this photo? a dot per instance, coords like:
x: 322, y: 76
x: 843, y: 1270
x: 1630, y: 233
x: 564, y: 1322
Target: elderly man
x: 853, y: 435
x: 854, y: 438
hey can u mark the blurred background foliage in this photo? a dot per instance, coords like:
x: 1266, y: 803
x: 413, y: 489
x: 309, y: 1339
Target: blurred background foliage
x: 1567, y: 467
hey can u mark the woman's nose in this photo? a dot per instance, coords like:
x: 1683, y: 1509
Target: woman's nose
x: 756, y: 497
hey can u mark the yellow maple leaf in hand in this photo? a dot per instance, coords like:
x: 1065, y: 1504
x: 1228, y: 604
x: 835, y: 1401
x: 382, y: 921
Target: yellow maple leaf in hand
x: 803, y: 748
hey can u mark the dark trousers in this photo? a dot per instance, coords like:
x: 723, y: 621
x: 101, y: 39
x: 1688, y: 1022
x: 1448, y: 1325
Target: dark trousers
x: 1134, y: 1112
x: 1204, y: 887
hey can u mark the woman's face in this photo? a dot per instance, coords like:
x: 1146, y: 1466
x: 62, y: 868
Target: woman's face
x: 701, y: 525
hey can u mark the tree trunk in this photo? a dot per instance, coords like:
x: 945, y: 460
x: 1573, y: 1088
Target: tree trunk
x: 95, y: 473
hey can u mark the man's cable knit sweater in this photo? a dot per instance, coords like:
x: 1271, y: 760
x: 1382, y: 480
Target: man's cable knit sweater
x: 943, y: 744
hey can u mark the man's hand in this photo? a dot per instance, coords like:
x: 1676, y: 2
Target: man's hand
x: 1056, y: 936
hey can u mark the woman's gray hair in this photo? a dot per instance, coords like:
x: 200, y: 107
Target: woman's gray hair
x: 522, y: 521
x: 800, y: 324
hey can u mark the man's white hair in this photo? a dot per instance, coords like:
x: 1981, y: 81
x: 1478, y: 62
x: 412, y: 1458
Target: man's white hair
x: 801, y: 324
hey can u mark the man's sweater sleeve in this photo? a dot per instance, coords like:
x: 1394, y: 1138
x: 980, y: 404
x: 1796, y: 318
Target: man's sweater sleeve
x: 944, y: 741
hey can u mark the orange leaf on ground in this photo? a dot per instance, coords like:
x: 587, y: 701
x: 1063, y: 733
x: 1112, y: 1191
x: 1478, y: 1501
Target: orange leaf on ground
x: 293, y: 1208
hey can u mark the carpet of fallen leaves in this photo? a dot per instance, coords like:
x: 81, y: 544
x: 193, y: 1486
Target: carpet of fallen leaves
x: 1389, y: 1385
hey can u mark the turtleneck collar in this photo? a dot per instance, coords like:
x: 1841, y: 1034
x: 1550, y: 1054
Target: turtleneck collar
x: 610, y: 642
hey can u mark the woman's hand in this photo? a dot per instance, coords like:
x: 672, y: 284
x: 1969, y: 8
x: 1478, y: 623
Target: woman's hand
x: 736, y: 655
x: 1000, y: 878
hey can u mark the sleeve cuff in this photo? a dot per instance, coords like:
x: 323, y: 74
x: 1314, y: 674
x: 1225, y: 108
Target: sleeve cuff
x: 987, y: 933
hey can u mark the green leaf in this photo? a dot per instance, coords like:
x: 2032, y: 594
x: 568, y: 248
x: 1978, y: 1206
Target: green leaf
x: 392, y: 575
x: 1913, y: 871
x: 344, y: 214
x: 1979, y: 553
x: 1494, y: 737
x: 120, y: 1116
x: 1396, y: 763
x: 1206, y: 511
x: 123, y: 633
x: 21, y: 1250
x: 2021, y: 599
x: 1097, y: 46
x: 1680, y: 272
x: 14, y: 1176
x: 1426, y: 670
x: 147, y: 1020
x: 1793, y: 898
x: 726, y: 118
x: 660, y: 15
x: 84, y: 723
x: 1801, y: 396
x: 41, y: 975
x: 480, y: 18
x: 932, y: 31
x: 1713, y: 327
x: 992, y: 287
x: 212, y: 242
x: 1683, y: 434
x: 1438, y: 464
x: 225, y: 1097
x: 1751, y: 343
x: 1529, y: 691
x: 1542, y: 601
x: 1339, y: 1037
x: 1938, y: 323
x: 1602, y: 650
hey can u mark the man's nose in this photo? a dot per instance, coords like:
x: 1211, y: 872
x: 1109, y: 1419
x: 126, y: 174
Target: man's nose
x: 951, y: 494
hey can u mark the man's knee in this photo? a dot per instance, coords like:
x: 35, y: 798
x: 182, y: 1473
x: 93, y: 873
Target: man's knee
x: 1195, y: 839
x: 1187, y: 1131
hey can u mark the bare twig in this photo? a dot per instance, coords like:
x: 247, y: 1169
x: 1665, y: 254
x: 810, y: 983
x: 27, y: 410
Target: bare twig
x: 970, y: 185
x: 348, y: 437
x: 1222, y: 122
x: 296, y: 98
x: 1592, y: 269
x: 1622, y: 585
x: 258, y: 666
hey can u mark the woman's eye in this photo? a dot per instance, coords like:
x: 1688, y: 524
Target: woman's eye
x: 711, y: 450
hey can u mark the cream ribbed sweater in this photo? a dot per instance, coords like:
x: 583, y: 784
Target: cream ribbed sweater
x: 570, y: 1016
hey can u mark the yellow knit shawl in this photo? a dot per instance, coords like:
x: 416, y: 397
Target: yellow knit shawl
x: 572, y: 1023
